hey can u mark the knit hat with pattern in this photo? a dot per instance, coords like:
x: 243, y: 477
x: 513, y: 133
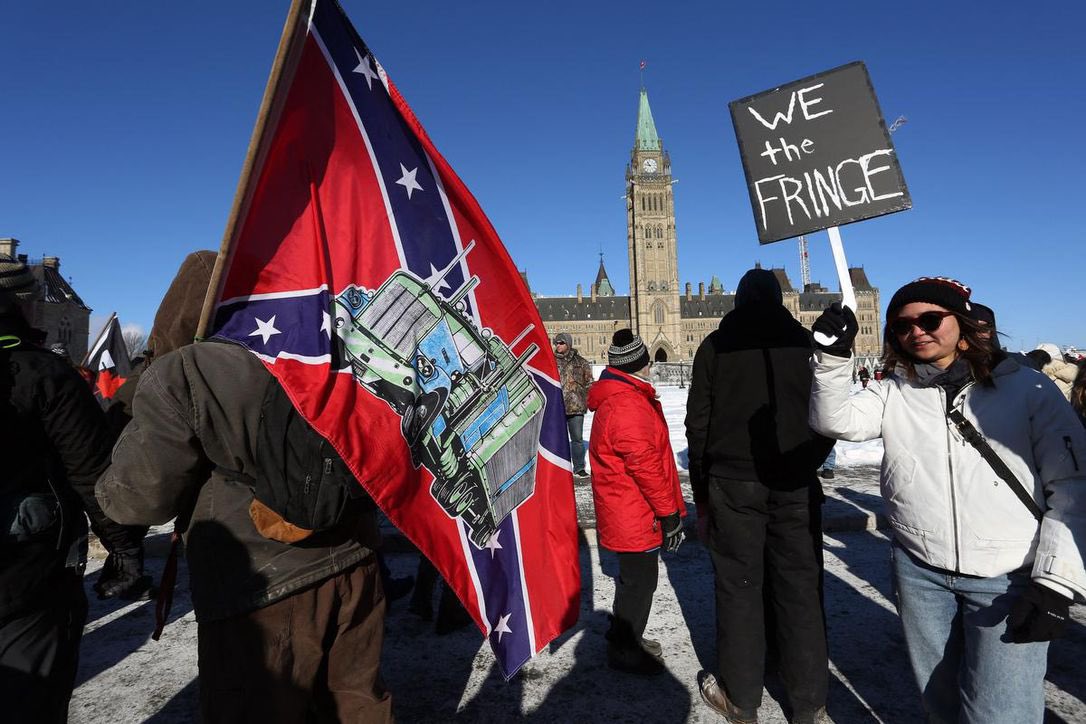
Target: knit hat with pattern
x: 950, y: 294
x: 627, y: 352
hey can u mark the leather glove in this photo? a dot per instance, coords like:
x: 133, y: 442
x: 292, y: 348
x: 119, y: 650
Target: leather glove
x: 672, y: 526
x: 1039, y: 614
x: 122, y: 577
x: 835, y: 330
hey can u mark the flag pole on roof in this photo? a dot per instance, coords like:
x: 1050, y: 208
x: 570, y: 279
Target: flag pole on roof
x: 282, y: 74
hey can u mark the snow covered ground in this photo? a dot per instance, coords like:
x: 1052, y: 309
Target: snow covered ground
x: 126, y: 677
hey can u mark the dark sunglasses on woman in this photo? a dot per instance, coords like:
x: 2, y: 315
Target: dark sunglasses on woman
x: 928, y: 322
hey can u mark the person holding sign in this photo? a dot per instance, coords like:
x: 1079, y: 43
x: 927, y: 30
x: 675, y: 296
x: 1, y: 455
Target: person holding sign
x: 984, y: 478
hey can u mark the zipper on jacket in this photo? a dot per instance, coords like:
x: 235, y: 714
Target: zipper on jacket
x: 1070, y: 450
x: 305, y: 488
x: 950, y: 438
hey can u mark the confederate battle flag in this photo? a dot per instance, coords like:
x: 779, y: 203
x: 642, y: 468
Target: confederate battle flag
x: 108, y: 361
x: 364, y: 274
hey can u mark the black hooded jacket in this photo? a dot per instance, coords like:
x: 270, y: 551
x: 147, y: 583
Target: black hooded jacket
x: 54, y: 445
x: 746, y: 416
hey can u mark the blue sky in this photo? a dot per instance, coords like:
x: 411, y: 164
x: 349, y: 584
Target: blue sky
x: 124, y: 126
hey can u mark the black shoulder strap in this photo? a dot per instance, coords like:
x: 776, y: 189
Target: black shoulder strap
x: 973, y: 437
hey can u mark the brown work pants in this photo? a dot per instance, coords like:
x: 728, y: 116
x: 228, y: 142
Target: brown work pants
x: 312, y: 656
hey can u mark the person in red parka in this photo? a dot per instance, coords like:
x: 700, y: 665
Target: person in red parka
x: 635, y: 487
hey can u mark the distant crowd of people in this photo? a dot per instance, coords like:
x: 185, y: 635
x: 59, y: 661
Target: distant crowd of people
x: 982, y: 477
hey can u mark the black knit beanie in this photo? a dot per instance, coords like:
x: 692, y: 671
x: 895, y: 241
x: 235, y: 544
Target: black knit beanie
x: 627, y: 352
x: 950, y: 294
x: 983, y: 314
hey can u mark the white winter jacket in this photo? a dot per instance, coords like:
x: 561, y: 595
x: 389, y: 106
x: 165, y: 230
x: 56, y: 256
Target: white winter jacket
x: 945, y: 503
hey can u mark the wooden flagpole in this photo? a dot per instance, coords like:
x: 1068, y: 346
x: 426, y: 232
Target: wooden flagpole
x: 295, y: 31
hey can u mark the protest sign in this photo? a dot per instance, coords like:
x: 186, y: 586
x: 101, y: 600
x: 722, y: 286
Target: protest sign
x: 817, y: 154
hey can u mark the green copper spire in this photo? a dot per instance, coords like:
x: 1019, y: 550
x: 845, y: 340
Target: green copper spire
x: 647, y: 140
x: 603, y: 284
x: 715, y: 285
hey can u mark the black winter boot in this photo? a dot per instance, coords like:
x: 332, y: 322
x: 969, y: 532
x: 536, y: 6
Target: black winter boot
x: 626, y: 652
x: 122, y: 577
x: 653, y: 647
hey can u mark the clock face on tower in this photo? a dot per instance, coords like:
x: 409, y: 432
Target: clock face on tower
x: 649, y: 165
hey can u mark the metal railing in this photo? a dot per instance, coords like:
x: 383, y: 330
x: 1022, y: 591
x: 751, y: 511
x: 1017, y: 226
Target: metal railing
x: 671, y: 374
x: 677, y: 374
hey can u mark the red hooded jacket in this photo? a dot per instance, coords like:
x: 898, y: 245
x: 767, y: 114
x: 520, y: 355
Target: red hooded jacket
x: 634, y: 479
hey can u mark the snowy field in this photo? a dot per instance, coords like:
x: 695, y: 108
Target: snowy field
x: 126, y: 677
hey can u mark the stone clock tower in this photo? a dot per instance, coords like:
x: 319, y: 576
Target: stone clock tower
x: 651, y: 244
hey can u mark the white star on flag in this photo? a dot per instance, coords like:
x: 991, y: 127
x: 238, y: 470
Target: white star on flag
x: 265, y: 330
x: 326, y: 324
x: 435, y: 273
x: 502, y: 627
x: 408, y: 180
x: 493, y: 544
x: 363, y: 67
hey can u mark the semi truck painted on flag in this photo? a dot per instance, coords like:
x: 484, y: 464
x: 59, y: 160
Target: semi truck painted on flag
x: 470, y: 412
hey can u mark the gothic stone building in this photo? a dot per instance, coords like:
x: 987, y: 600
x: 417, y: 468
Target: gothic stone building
x: 671, y: 321
x: 58, y: 310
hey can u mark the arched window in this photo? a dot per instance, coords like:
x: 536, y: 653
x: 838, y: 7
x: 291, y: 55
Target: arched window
x: 658, y: 312
x: 643, y: 203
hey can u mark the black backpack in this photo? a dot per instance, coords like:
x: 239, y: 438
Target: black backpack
x: 301, y: 486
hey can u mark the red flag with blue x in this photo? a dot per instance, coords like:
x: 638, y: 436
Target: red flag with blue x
x: 367, y: 278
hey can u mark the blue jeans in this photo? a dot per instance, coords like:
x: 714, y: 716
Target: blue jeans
x: 956, y: 633
x: 575, y: 425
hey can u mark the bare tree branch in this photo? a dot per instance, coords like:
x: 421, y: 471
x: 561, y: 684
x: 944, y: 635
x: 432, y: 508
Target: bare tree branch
x: 134, y: 340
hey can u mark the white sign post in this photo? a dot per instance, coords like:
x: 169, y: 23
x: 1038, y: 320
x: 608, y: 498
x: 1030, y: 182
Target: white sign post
x: 848, y: 294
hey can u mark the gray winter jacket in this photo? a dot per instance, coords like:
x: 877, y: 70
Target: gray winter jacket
x: 196, y: 415
x: 945, y: 503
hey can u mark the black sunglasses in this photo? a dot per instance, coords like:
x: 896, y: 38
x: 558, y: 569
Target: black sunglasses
x: 928, y: 322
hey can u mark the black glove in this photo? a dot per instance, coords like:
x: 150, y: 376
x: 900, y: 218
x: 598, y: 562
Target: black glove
x: 835, y: 331
x: 122, y: 577
x: 1039, y: 614
x: 672, y: 526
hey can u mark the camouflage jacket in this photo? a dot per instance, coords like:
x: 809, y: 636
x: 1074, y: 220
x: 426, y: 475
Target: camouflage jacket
x: 576, y: 374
